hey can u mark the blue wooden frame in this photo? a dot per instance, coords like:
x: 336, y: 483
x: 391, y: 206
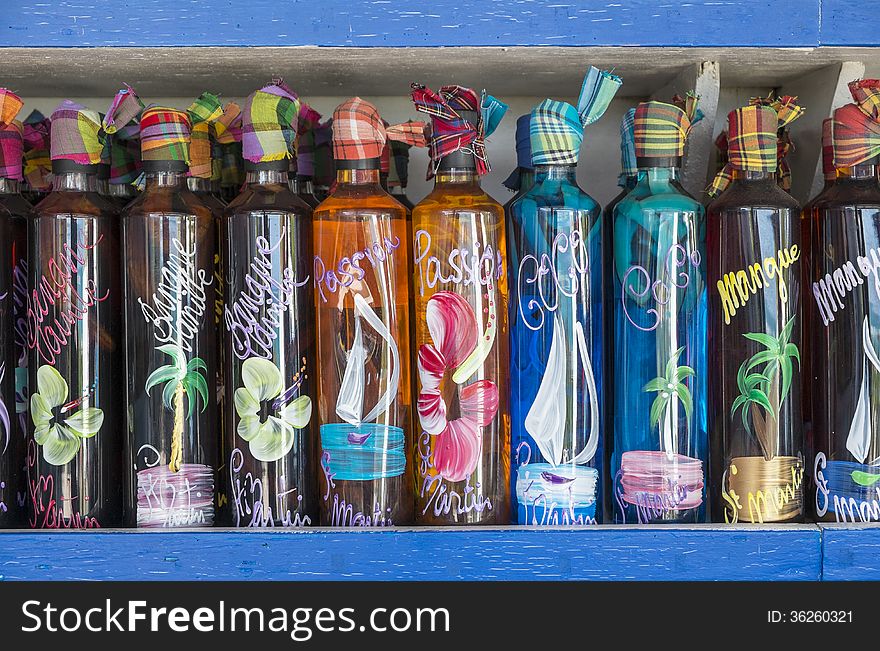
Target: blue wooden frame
x: 700, y: 553
x: 438, y: 23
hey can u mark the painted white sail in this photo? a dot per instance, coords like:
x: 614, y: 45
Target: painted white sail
x: 350, y: 403
x: 861, y: 432
x: 546, y: 419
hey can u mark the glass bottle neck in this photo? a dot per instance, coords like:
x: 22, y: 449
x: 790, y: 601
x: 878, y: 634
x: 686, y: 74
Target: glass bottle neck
x: 863, y: 171
x: 556, y: 172
x: 9, y: 186
x: 305, y: 184
x: 73, y: 182
x: 659, y: 174
x: 398, y: 190
x: 124, y: 190
x: 357, y: 177
x: 746, y: 175
x: 457, y: 176
x: 164, y: 180
x: 267, y: 177
x: 198, y: 185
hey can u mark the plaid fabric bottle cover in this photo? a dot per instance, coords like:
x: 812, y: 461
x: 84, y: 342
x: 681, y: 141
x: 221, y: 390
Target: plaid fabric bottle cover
x: 753, y: 139
x: 11, y: 136
x: 855, y: 130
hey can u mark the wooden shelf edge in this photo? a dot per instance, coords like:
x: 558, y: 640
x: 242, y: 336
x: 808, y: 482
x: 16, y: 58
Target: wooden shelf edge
x: 605, y: 553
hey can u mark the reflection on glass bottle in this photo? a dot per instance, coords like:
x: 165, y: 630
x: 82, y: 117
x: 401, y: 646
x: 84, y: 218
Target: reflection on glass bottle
x: 556, y: 313
x: 753, y: 254
x: 363, y: 351
x: 271, y: 431
x: 660, y: 331
x: 14, y: 216
x: 74, y: 337
x: 844, y: 310
x: 462, y: 453
x: 170, y: 240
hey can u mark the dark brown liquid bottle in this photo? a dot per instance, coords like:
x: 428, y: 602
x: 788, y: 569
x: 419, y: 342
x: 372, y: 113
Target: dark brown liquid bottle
x: 755, y: 415
x: 271, y: 421
x: 843, y: 306
x: 75, y: 356
x: 170, y: 240
x: 14, y: 216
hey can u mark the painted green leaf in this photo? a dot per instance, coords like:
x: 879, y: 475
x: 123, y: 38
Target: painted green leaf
x: 765, y: 340
x: 194, y: 383
x: 785, y: 336
x: 760, y: 358
x: 672, y: 363
x: 792, y: 351
x: 684, y: 394
x: 758, y: 397
x: 174, y: 352
x: 196, y: 363
x: 657, y: 408
x: 657, y: 384
x: 864, y: 478
x: 786, y: 372
x: 160, y: 375
x: 168, y: 395
x: 683, y: 372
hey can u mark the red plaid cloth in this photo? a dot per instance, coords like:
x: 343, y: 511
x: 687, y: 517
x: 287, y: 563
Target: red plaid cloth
x: 855, y: 132
x: 359, y: 134
x: 828, y: 169
x: 451, y: 132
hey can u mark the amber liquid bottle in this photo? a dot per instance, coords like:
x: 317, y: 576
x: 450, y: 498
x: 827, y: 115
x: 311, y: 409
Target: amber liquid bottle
x: 75, y: 356
x: 271, y: 424
x: 461, y: 459
x: 755, y: 414
x: 364, y: 385
x: 169, y: 241
x: 14, y: 216
x: 843, y: 307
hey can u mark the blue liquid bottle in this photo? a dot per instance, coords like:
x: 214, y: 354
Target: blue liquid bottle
x: 658, y: 463
x: 555, y: 256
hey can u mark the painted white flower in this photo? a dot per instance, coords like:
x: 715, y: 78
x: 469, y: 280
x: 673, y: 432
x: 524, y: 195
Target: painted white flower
x: 267, y: 416
x: 59, y: 432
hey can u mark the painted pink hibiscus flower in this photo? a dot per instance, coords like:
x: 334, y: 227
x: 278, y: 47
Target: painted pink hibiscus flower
x: 455, y: 337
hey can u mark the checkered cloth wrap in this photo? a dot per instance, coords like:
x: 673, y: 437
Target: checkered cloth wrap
x: 11, y: 136
x: 76, y: 134
x: 125, y: 160
x: 203, y: 114
x: 450, y: 132
x: 628, y: 167
x: 227, y: 128
x: 359, y: 134
x: 165, y: 134
x: 303, y: 164
x: 37, y: 161
x: 828, y: 169
x: 269, y: 124
x: 125, y: 109
x: 754, y: 133
x: 855, y: 131
x: 523, y: 153
x: 660, y: 130
x: 557, y: 128
x: 788, y: 111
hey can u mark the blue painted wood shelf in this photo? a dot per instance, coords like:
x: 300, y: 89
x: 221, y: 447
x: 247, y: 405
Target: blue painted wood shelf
x: 704, y: 552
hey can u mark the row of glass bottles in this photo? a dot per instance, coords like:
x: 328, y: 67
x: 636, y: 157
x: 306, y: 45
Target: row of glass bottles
x: 660, y: 313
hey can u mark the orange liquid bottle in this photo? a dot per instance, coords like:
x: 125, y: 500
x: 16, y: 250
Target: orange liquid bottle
x: 462, y: 454
x: 364, y: 384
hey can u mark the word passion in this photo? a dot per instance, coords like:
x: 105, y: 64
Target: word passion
x: 254, y: 316
x: 46, y: 510
x: 348, y: 269
x: 250, y: 497
x: 829, y: 292
x: 846, y: 509
x: 638, y: 284
x: 442, y: 499
x: 180, y: 299
x: 49, y: 330
x: 737, y: 287
x: 343, y: 514
x: 763, y: 505
x: 462, y: 266
x: 564, y: 266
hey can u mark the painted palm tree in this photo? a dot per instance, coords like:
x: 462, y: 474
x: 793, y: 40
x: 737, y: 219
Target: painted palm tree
x: 670, y: 388
x: 764, y: 381
x: 181, y: 379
